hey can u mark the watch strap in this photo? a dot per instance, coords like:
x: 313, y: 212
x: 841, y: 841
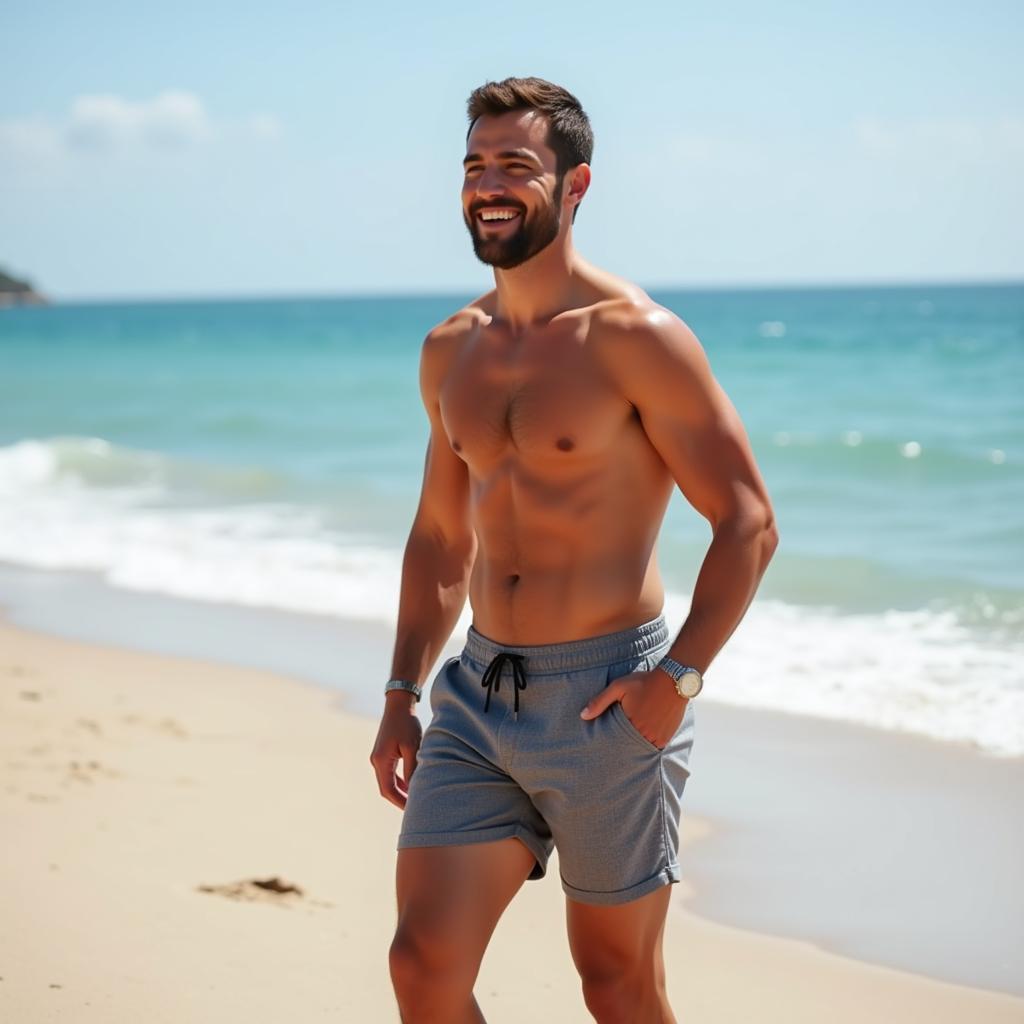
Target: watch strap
x: 404, y: 684
x: 674, y: 668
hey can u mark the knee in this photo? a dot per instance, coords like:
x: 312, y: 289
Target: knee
x: 409, y: 964
x: 423, y: 967
x: 622, y: 996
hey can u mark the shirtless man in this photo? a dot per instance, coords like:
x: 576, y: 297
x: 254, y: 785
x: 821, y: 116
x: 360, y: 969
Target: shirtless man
x: 565, y: 406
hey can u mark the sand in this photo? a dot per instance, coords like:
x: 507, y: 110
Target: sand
x: 144, y: 796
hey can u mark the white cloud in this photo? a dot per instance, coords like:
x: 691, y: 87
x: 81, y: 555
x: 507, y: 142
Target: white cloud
x: 171, y: 119
x: 108, y: 123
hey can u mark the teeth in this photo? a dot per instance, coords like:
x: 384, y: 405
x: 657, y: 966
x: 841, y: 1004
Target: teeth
x: 498, y: 214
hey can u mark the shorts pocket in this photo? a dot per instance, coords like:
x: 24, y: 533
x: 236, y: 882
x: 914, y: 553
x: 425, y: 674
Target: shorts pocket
x: 440, y: 682
x: 618, y: 712
x: 620, y: 716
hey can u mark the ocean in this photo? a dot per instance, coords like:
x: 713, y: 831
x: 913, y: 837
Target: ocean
x: 268, y: 453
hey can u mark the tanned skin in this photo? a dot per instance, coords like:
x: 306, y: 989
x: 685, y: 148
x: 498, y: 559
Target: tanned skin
x: 565, y: 406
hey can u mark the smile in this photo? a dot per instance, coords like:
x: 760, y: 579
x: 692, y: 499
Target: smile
x: 497, y: 216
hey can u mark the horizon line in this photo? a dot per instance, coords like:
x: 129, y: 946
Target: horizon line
x: 457, y: 292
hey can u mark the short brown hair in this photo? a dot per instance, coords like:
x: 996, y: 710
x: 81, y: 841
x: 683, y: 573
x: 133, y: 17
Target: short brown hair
x: 569, y: 133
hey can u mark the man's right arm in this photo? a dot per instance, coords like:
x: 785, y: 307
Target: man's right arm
x: 441, y: 548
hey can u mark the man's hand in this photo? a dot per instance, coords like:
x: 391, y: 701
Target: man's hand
x: 398, y: 739
x: 650, y: 701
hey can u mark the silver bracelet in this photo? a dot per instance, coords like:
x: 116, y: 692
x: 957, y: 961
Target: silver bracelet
x: 404, y: 684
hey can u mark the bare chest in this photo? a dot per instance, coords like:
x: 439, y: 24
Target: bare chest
x: 549, y: 399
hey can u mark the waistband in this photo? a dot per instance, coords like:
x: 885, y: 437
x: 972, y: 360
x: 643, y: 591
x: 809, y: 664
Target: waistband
x: 591, y: 652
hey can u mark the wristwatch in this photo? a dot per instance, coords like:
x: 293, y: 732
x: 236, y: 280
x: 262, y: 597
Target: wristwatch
x: 689, y: 681
x: 404, y: 684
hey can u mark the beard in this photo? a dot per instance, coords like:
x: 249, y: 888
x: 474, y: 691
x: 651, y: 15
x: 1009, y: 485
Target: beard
x: 532, y: 235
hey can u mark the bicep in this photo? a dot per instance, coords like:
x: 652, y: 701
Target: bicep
x: 444, y: 496
x: 692, y: 423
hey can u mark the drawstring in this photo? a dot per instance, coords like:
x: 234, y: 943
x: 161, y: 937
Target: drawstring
x: 492, y: 676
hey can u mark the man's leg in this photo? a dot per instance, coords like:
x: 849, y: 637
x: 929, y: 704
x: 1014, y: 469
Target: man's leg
x: 450, y: 899
x: 618, y: 953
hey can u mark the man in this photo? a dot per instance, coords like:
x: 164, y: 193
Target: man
x: 564, y: 405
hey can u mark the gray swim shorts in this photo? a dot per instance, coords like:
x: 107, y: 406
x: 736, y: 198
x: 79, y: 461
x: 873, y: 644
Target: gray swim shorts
x: 507, y: 754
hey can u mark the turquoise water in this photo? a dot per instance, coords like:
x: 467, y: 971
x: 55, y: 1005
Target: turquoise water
x: 270, y: 452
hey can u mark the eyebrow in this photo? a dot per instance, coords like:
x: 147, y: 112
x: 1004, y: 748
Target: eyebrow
x: 504, y: 155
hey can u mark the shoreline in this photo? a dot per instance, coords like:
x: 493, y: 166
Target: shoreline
x: 80, y: 604
x: 123, y: 769
x: 927, y: 885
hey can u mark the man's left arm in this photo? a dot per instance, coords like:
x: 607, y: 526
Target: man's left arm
x: 663, y: 371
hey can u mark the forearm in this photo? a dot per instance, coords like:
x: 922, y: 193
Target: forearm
x: 435, y: 583
x: 728, y: 579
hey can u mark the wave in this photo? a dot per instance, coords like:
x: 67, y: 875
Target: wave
x: 82, y: 503
x: 94, y: 463
x: 920, y: 671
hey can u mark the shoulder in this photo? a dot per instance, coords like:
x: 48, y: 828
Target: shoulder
x: 638, y: 319
x: 458, y: 327
x: 451, y: 331
x: 461, y: 324
x: 444, y: 341
x: 635, y: 335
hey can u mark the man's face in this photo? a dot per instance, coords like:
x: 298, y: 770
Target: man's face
x: 510, y: 176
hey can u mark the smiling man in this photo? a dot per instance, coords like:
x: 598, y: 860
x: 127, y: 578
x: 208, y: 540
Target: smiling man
x: 565, y: 406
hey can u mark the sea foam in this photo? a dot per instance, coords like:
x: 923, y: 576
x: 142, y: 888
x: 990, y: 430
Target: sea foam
x: 86, y: 504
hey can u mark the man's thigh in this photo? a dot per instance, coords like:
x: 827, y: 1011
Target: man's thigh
x: 451, y: 897
x: 623, y: 938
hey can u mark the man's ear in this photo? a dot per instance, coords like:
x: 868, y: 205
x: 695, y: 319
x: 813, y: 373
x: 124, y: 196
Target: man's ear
x: 579, y: 182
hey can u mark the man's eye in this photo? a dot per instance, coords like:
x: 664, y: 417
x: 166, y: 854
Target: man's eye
x: 525, y: 167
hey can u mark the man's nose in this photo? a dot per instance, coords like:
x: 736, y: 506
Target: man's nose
x: 490, y: 182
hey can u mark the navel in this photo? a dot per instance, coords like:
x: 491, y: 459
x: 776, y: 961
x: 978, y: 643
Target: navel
x: 456, y: 446
x: 512, y: 579
x: 565, y: 444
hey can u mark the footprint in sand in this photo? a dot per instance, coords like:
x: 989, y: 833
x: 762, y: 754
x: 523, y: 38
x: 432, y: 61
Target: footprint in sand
x: 166, y: 725
x: 72, y: 771
x: 88, y: 771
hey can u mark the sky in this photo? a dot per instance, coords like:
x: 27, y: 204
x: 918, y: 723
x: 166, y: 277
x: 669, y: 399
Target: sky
x: 239, y: 149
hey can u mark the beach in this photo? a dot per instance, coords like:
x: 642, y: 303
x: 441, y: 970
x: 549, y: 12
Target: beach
x: 260, y: 402
x: 203, y: 508
x: 146, y: 794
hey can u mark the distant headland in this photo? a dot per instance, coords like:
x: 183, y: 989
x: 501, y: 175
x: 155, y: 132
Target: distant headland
x: 19, y: 293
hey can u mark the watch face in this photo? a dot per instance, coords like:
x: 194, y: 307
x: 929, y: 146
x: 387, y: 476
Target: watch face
x: 690, y: 683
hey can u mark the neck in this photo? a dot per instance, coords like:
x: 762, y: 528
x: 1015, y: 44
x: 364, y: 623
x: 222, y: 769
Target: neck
x: 542, y: 287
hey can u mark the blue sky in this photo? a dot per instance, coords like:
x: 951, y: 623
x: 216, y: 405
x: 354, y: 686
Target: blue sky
x: 247, y: 149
